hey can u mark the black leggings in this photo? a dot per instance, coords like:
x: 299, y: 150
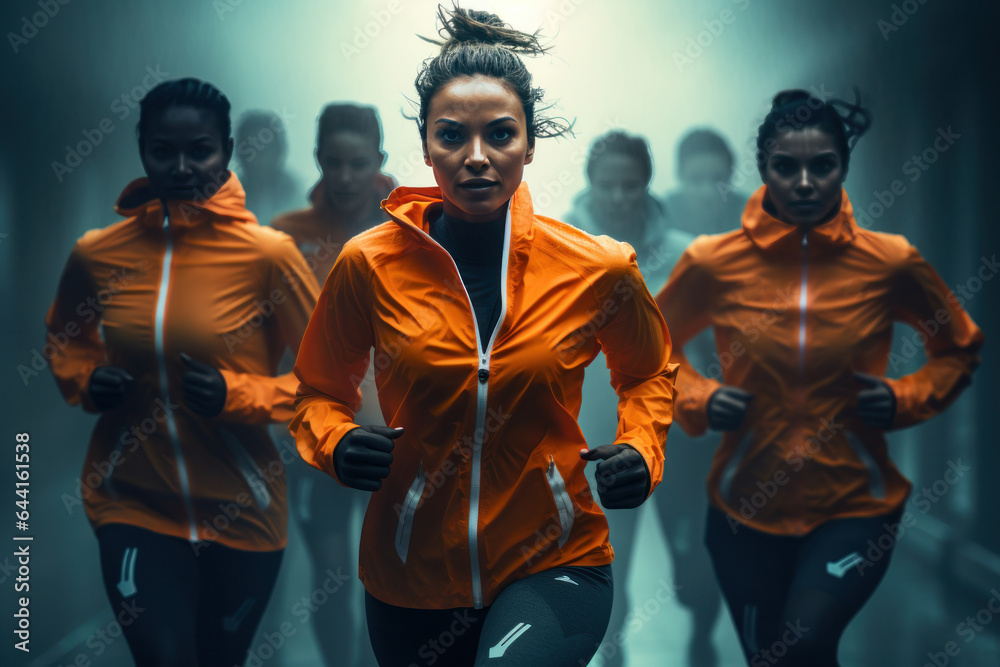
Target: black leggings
x: 555, y: 618
x: 179, y: 606
x: 791, y: 597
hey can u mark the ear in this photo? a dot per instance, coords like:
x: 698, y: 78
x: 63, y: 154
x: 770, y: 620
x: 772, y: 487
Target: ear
x: 427, y: 156
x: 384, y: 158
x: 530, y: 155
x: 316, y: 156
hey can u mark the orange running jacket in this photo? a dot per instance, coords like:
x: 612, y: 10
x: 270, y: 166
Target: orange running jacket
x: 795, y: 316
x: 487, y: 483
x: 230, y: 293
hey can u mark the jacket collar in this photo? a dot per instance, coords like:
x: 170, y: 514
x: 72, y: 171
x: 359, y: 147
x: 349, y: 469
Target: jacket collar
x: 413, y: 208
x: 764, y: 230
x: 226, y: 205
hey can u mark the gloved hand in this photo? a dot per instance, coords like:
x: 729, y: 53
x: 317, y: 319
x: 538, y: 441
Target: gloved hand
x: 362, y: 457
x: 877, y: 402
x: 727, y: 407
x: 204, y: 388
x: 108, y: 386
x: 623, y: 480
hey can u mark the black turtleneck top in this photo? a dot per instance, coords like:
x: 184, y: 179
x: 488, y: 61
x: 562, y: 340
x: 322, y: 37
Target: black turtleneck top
x: 477, y: 248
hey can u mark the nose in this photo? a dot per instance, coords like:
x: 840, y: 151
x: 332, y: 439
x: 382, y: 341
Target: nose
x: 618, y: 195
x: 476, y: 160
x: 182, y: 168
x: 804, y: 184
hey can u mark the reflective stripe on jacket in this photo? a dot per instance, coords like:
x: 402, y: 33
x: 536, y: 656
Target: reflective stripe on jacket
x: 795, y: 316
x: 487, y: 484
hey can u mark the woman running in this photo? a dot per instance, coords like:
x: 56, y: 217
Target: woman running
x: 481, y: 543
x: 176, y: 319
x: 345, y: 202
x: 617, y: 202
x: 802, y: 301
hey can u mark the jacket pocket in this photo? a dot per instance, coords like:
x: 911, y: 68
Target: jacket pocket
x: 876, y: 484
x: 407, y: 511
x: 564, y: 504
x: 248, y: 467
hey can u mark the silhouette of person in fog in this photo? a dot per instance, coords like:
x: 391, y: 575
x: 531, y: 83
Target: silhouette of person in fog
x: 618, y: 203
x: 706, y: 202
x: 262, y: 149
x: 345, y: 202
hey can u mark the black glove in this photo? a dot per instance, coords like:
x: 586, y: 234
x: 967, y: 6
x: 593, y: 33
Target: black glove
x: 108, y: 386
x: 877, y: 402
x: 727, y: 406
x: 362, y: 457
x: 204, y: 388
x: 623, y: 480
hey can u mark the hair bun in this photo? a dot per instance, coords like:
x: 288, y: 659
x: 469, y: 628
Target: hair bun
x: 461, y: 27
x: 792, y: 96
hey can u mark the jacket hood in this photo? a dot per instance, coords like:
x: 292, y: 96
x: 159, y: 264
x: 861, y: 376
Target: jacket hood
x: 409, y: 207
x: 764, y: 230
x: 229, y: 204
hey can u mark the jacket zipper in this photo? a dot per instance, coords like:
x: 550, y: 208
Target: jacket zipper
x: 803, y: 295
x: 161, y: 358
x: 483, y: 374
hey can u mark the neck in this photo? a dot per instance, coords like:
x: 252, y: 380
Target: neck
x: 454, y: 212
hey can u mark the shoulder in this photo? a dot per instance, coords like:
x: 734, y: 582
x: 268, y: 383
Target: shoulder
x: 893, y: 250
x: 95, y: 241
x: 581, y: 248
x: 295, y: 223
x: 378, y: 245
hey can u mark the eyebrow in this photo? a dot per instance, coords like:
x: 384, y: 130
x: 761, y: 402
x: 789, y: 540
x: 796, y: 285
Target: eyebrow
x: 788, y: 155
x: 455, y: 123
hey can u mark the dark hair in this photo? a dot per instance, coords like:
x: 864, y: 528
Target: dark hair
x: 350, y: 117
x: 480, y: 43
x: 700, y: 142
x: 184, y: 92
x: 620, y: 143
x: 255, y: 121
x: 795, y: 109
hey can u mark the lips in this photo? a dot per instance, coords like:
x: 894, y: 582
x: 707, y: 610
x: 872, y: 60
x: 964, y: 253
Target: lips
x: 804, y: 204
x: 477, y: 184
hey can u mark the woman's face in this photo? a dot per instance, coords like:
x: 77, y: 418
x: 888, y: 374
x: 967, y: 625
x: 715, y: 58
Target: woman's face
x: 618, y: 184
x: 184, y: 154
x: 477, y: 144
x: 703, y: 177
x: 350, y: 163
x: 804, y: 176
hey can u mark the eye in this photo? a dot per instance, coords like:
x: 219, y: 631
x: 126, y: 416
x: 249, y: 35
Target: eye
x: 824, y: 165
x: 501, y: 134
x: 449, y: 136
x: 201, y: 152
x: 783, y: 167
x: 360, y: 164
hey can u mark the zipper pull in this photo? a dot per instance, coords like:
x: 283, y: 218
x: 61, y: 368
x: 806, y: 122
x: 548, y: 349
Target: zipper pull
x: 484, y: 375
